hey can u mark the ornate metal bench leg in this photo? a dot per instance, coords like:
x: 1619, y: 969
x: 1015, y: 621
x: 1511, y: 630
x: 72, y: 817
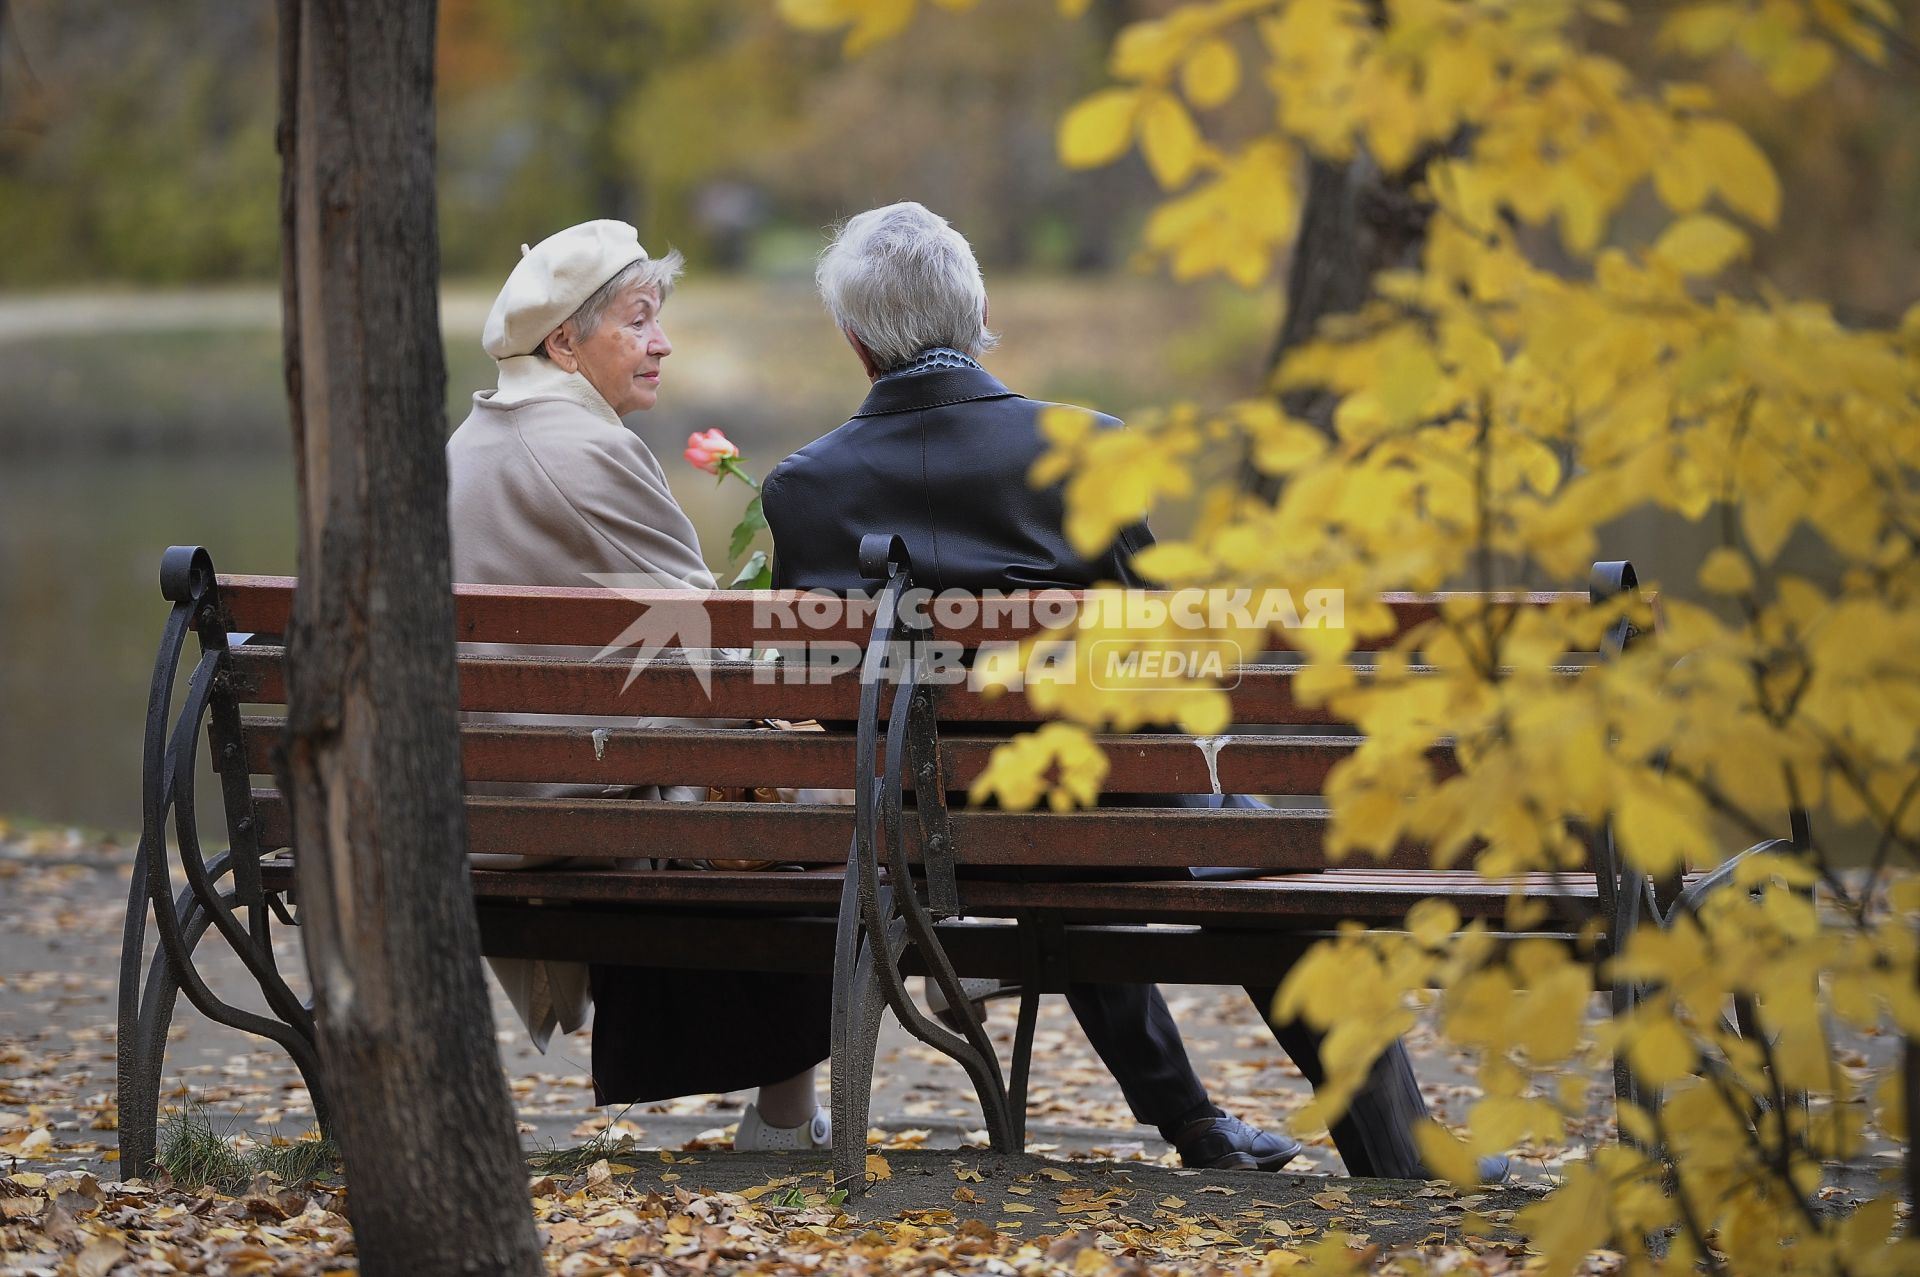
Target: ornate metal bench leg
x: 148, y: 995
x: 1620, y: 905
x: 856, y: 1037
x: 141, y: 1044
x: 1021, y: 1065
x: 306, y: 1051
x: 877, y: 921
x: 142, y: 1049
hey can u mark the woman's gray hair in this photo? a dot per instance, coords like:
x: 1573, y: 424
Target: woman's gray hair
x: 902, y: 280
x: 657, y: 273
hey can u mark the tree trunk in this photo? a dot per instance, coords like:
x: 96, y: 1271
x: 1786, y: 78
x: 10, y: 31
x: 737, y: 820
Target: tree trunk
x: 372, y: 767
x: 1910, y: 1106
x: 1356, y: 222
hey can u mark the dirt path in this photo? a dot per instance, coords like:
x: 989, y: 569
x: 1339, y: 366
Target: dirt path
x: 61, y: 905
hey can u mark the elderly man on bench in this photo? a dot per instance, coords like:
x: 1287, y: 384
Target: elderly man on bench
x: 939, y: 454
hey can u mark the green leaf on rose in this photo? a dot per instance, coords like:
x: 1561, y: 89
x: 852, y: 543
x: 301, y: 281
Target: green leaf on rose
x: 755, y: 574
x: 750, y: 525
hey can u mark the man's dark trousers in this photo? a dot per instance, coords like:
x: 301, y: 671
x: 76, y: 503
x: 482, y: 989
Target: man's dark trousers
x: 1133, y: 1032
x: 940, y: 459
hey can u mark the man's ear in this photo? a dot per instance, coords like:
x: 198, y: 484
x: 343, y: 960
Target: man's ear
x: 866, y: 356
x: 559, y: 348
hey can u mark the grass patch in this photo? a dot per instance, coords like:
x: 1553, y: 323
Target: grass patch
x: 571, y: 1161
x: 194, y: 1155
x: 298, y: 1162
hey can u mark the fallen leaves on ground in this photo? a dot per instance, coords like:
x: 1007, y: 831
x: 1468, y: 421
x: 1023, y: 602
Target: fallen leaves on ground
x: 599, y: 1222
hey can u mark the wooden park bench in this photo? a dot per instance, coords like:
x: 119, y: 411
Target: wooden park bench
x: 896, y: 884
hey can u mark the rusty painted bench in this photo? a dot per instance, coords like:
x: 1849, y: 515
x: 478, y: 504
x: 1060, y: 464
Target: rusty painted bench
x: 896, y: 884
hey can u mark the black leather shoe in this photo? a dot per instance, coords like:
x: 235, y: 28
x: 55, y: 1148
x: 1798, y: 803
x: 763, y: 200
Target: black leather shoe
x: 1226, y: 1143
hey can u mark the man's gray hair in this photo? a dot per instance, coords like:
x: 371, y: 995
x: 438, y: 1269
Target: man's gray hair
x: 657, y: 273
x: 902, y: 280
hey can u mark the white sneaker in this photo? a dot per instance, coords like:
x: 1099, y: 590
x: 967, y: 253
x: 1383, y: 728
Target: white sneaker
x: 756, y: 1135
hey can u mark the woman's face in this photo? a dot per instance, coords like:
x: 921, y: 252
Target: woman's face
x: 622, y: 358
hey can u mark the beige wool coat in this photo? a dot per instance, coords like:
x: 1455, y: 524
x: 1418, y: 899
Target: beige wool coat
x: 545, y: 486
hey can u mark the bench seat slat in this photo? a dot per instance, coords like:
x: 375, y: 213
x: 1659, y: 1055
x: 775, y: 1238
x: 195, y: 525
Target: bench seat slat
x: 1141, y: 764
x: 1365, y: 895
x: 737, y: 689
x: 1115, y: 838
x: 1314, y: 898
x: 695, y: 940
x: 1284, y: 840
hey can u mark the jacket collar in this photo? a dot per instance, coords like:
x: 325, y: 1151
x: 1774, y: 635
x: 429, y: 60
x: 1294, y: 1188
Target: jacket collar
x: 524, y: 378
x: 932, y: 389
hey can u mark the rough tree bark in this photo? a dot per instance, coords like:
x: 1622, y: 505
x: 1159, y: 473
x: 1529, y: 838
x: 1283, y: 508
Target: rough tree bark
x: 372, y: 766
x: 1355, y: 222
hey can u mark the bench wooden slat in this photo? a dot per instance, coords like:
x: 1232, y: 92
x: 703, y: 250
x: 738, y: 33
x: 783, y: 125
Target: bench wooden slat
x: 694, y: 940
x: 1108, y: 838
x: 1141, y: 764
x: 726, y: 689
x: 557, y: 685
x: 740, y: 689
x: 1317, y: 898
x: 594, y: 617
x: 1371, y: 895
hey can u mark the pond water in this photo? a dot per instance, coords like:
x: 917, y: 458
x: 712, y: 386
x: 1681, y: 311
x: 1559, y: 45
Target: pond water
x: 80, y: 544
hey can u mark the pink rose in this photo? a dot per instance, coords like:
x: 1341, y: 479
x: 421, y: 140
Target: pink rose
x: 706, y: 449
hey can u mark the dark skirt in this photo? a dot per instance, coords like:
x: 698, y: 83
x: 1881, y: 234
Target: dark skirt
x: 660, y: 1033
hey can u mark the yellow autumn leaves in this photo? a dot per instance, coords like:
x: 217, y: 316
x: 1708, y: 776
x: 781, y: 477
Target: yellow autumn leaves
x: 1552, y: 132
x: 1490, y: 415
x: 870, y: 22
x: 1059, y: 763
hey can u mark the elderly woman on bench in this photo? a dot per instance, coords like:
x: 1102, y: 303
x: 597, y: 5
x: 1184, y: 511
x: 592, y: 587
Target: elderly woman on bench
x: 547, y: 487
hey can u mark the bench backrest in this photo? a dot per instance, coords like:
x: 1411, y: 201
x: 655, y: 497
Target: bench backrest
x: 1276, y: 747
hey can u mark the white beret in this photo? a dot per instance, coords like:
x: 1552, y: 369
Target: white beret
x: 552, y: 279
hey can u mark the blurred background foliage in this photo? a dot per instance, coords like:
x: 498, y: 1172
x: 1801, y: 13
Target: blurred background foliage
x: 136, y: 141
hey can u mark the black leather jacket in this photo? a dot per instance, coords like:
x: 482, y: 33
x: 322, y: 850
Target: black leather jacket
x: 940, y: 459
